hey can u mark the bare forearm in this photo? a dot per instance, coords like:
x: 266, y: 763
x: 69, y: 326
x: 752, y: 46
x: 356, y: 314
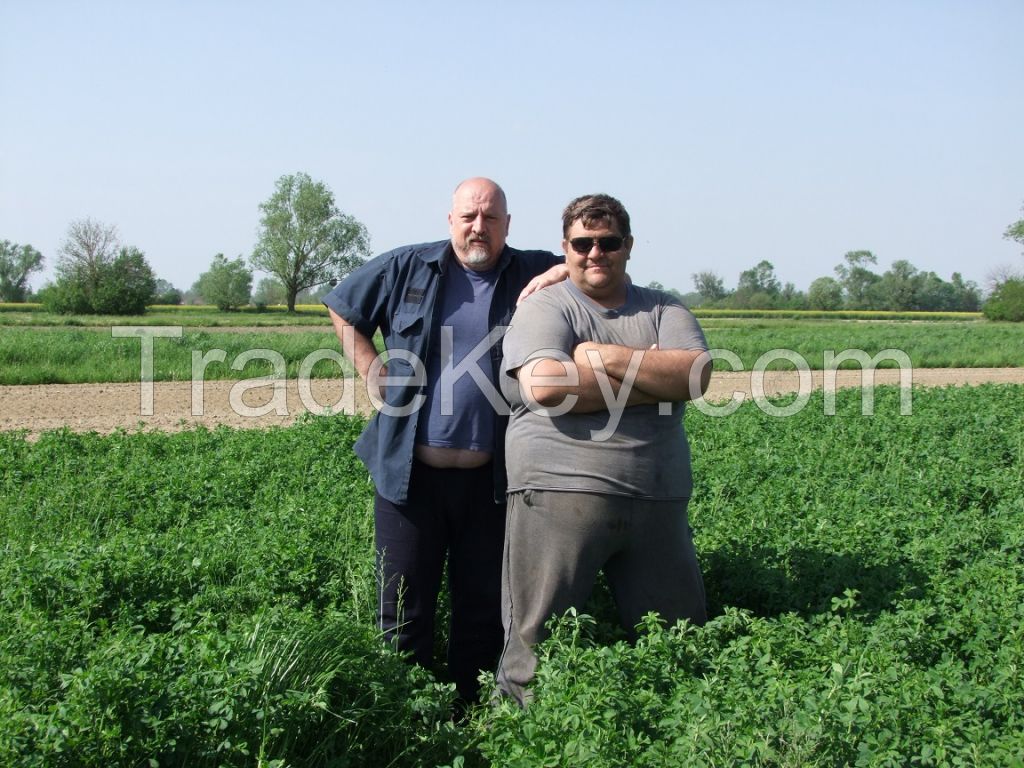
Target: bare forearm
x: 573, y: 389
x: 660, y: 374
x: 598, y: 390
x: 553, y: 275
x: 357, y: 347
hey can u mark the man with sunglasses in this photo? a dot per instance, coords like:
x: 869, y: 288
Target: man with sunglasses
x: 598, y: 371
x: 435, y: 446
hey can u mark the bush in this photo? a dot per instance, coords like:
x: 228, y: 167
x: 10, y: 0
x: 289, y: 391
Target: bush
x: 122, y: 286
x: 62, y: 298
x: 166, y: 293
x: 1006, y: 301
x: 226, y: 284
x: 825, y: 293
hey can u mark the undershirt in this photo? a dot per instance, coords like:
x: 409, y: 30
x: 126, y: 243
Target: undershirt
x: 457, y: 413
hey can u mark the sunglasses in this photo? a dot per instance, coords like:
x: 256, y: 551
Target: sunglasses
x: 609, y: 244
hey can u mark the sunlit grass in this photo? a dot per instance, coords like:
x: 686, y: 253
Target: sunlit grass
x: 53, y: 354
x: 184, y: 314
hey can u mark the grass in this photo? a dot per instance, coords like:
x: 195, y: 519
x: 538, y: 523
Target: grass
x: 207, y: 315
x: 76, y: 356
x: 189, y: 316
x: 71, y: 355
x: 970, y: 344
x: 838, y: 314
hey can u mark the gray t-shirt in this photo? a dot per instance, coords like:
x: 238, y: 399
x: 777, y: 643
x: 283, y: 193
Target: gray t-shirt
x: 645, y: 454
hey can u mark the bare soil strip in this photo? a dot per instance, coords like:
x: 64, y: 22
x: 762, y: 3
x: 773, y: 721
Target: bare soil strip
x: 105, y: 408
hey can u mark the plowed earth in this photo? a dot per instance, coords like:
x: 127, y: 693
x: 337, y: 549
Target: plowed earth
x: 105, y: 408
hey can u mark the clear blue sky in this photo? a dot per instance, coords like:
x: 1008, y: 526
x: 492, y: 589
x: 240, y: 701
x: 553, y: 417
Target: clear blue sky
x: 733, y: 131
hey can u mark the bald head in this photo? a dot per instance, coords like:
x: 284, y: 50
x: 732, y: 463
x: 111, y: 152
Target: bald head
x: 479, y: 186
x: 478, y: 223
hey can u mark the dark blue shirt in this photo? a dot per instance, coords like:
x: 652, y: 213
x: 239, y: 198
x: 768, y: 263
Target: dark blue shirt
x: 461, y: 392
x: 399, y: 293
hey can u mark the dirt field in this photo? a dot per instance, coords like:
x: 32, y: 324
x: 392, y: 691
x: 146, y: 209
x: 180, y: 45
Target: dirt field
x: 105, y: 408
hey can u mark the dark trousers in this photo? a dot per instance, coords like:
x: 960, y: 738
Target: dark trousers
x: 451, y: 513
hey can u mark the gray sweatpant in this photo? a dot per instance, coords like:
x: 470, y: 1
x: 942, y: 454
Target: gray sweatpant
x: 556, y: 542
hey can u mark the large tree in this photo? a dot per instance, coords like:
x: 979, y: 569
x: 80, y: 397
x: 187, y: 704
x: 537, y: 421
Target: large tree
x: 304, y: 240
x: 17, y: 262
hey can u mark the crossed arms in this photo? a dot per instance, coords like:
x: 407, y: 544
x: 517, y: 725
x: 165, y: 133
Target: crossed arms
x: 598, y: 374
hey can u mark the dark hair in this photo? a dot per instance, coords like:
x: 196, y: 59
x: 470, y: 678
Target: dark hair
x: 595, y: 209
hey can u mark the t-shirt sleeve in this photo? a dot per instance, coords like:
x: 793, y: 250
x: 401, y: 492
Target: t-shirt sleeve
x: 361, y: 297
x: 679, y: 329
x: 539, y: 329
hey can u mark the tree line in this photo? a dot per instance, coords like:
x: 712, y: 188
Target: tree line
x: 855, y: 286
x: 305, y: 243
x: 903, y: 287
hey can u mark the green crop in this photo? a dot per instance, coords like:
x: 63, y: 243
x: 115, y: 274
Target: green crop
x: 207, y: 598
x: 60, y: 355
x: 867, y: 581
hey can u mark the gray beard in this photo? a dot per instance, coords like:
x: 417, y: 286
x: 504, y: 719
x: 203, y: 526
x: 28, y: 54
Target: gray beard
x: 477, y: 255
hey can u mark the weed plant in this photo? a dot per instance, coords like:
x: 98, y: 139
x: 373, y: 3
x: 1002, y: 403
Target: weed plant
x: 206, y: 598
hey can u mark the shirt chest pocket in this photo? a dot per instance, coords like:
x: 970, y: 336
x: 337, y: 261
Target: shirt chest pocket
x: 406, y: 350
x: 407, y: 324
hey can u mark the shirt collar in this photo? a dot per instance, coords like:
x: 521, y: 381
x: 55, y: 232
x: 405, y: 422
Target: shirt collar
x: 436, y: 253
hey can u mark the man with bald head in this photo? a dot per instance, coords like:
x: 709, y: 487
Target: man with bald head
x: 435, y: 446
